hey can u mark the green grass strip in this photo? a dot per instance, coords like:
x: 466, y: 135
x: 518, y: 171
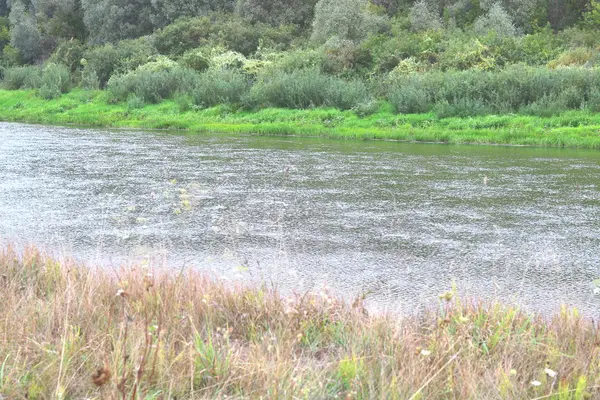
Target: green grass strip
x: 575, y: 129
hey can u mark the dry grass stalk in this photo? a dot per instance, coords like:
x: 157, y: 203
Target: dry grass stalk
x: 73, y: 332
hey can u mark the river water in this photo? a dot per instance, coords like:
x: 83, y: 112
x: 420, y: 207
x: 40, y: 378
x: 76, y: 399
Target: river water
x: 399, y: 221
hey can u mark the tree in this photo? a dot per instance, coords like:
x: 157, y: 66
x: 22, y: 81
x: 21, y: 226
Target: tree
x: 520, y: 11
x: 344, y: 19
x: 278, y: 12
x: 495, y: 20
x: 60, y: 19
x: 24, y: 34
x: 113, y: 20
x: 167, y: 11
x: 423, y: 17
x: 591, y: 18
x: 564, y: 13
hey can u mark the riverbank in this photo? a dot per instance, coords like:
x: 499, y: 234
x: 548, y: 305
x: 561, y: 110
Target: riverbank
x: 575, y: 129
x: 68, y: 331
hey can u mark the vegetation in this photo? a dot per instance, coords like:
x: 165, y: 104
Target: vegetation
x: 367, y: 121
x: 140, y: 332
x: 451, y: 58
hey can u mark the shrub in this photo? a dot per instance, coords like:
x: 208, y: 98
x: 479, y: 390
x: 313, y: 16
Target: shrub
x: 120, y: 58
x: 423, y: 18
x: 183, y: 35
x: 28, y: 77
x: 345, y: 19
x: 518, y: 89
x: 307, y: 88
x: 69, y: 53
x: 578, y: 56
x: 151, y: 86
x: 134, y: 102
x: 195, y: 59
x: 56, y: 79
x: 231, y: 32
x: 220, y: 87
x: 89, y: 78
x: 158, y: 64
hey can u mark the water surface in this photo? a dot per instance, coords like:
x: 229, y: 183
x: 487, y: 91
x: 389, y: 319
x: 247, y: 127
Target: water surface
x: 401, y: 221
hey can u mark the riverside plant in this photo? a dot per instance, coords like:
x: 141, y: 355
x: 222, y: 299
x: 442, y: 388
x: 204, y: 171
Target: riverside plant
x: 70, y: 331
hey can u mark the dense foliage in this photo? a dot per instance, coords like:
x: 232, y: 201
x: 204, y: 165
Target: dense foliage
x: 452, y: 57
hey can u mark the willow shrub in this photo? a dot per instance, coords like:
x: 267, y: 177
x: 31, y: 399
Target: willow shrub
x: 151, y: 86
x: 221, y: 86
x: 28, y: 77
x: 517, y: 89
x: 307, y: 88
x: 56, y: 80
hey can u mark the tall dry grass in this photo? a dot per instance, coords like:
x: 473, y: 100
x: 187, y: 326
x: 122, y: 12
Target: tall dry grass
x: 71, y: 332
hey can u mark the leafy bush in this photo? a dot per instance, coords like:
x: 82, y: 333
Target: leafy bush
x: 231, y: 32
x: 220, y: 87
x: 56, y: 79
x: 195, y: 59
x: 151, y: 86
x: 307, y: 88
x: 496, y: 20
x: 89, y: 78
x: 423, y: 17
x: 578, y: 56
x: 28, y: 77
x: 346, y: 20
x: 69, y: 53
x: 120, y: 58
x: 518, y: 89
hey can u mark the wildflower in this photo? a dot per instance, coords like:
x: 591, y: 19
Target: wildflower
x: 446, y: 296
x: 425, y: 352
x: 513, y: 372
x: 101, y: 376
x: 536, y: 383
x: 550, y: 373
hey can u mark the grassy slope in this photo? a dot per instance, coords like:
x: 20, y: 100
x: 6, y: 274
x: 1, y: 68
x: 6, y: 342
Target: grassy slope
x: 571, y: 129
x: 70, y: 332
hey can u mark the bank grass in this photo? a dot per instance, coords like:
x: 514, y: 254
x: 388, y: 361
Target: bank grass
x: 69, y: 331
x: 96, y: 108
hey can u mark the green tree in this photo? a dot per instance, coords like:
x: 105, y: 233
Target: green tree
x: 168, y: 11
x: 24, y: 33
x: 113, y: 20
x: 278, y: 12
x: 423, y: 17
x: 495, y: 20
x: 591, y: 18
x: 345, y: 20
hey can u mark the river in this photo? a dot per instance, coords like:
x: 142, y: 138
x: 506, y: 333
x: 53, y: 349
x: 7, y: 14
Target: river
x: 399, y: 221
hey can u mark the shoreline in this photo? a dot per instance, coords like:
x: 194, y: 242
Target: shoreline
x: 572, y: 129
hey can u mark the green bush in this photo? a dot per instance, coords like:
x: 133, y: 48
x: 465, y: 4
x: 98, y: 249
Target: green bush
x: 119, y: 58
x: 56, y: 79
x: 69, y: 53
x: 151, y: 86
x: 195, y: 59
x: 229, y: 31
x: 220, y: 87
x: 89, y: 78
x: 516, y: 89
x: 307, y: 88
x: 28, y: 77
